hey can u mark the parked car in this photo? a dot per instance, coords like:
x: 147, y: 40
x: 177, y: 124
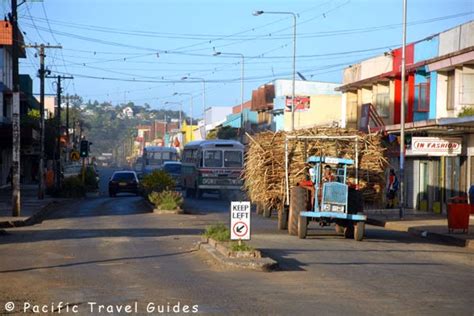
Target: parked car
x: 173, y: 168
x: 124, y: 181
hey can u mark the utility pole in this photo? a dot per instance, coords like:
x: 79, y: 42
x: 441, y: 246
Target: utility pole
x: 67, y: 117
x: 402, y: 114
x: 41, y: 74
x: 16, y: 140
x: 58, y: 128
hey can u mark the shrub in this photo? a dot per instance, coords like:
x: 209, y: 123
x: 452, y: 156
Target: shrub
x: 73, y: 188
x: 166, y: 200
x: 242, y: 247
x: 158, y: 181
x: 218, y: 232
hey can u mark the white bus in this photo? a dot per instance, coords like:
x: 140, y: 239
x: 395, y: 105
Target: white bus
x: 154, y: 156
x: 212, y: 165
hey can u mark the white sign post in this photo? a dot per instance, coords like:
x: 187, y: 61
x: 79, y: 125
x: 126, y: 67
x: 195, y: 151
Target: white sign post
x: 240, y: 221
x: 436, y: 146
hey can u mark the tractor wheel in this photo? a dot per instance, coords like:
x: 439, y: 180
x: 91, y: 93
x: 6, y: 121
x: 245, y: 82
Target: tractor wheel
x: 298, y: 203
x: 259, y: 208
x: 359, y: 231
x: 349, y: 231
x: 267, y: 211
x: 302, y: 227
x: 282, y: 217
x: 339, y: 229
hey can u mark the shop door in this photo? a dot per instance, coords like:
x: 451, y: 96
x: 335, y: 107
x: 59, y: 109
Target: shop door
x: 423, y: 180
x: 453, y: 169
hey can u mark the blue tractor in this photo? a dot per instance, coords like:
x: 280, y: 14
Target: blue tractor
x: 328, y: 198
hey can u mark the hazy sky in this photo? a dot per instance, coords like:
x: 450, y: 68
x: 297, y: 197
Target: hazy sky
x: 143, y: 48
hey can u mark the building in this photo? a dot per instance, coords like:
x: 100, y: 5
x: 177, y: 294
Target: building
x: 439, y: 86
x: 317, y: 104
x: 188, y: 132
x: 215, y: 116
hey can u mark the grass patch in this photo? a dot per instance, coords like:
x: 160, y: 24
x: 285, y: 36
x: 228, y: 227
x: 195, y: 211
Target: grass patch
x: 242, y: 247
x: 218, y: 232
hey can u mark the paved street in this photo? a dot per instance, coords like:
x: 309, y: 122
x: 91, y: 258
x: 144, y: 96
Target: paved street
x: 114, y: 251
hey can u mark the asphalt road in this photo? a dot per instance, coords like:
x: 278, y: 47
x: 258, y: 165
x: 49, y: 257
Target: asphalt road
x: 114, y: 251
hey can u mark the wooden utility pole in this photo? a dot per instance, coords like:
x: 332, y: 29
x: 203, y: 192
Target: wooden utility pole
x: 16, y: 136
x: 41, y: 74
x: 58, y: 128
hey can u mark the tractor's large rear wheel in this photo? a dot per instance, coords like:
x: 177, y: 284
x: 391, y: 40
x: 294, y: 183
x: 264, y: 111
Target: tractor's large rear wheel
x: 359, y: 231
x: 282, y: 216
x: 298, y: 203
x: 302, y: 227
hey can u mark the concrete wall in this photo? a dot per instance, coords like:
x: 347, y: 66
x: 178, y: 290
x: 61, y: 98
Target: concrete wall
x: 456, y: 38
x: 351, y: 74
x: 216, y: 115
x: 324, y: 110
x: 376, y: 66
x: 283, y: 87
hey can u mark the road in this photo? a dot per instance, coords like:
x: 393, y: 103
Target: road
x: 114, y: 251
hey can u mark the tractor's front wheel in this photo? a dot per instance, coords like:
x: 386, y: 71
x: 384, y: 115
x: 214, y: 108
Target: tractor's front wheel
x: 302, y: 227
x: 359, y: 231
x: 298, y: 203
x: 339, y: 229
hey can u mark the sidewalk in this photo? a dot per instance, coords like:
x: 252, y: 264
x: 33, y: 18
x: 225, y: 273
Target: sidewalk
x: 423, y: 224
x: 31, y: 210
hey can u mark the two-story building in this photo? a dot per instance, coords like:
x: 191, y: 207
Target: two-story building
x: 439, y: 87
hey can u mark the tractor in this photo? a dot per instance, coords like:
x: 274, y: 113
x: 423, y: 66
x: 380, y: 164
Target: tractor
x: 327, y: 200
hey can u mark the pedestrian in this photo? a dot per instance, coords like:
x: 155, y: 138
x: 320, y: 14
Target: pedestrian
x: 392, y: 189
x: 10, y: 177
x: 471, y: 195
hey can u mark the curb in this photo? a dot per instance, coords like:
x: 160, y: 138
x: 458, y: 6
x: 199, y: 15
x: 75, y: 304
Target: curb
x: 36, y: 218
x: 255, y: 264
x: 419, y: 232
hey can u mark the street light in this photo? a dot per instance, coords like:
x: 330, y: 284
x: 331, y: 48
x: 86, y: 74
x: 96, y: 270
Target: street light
x: 191, y: 95
x: 180, y: 109
x: 203, y: 98
x: 241, y: 87
x: 257, y: 13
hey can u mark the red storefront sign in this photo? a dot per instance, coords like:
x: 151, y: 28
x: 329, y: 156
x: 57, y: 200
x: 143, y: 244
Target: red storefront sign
x: 301, y: 104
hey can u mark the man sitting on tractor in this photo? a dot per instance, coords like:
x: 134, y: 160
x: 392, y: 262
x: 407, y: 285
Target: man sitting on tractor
x: 328, y: 176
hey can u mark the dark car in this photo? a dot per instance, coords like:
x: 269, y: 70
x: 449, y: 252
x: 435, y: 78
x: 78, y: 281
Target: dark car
x: 173, y: 168
x: 124, y: 181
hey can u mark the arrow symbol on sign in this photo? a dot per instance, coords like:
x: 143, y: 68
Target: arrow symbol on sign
x: 240, y: 228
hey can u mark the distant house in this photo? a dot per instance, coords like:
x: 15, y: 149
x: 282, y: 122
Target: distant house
x: 127, y: 112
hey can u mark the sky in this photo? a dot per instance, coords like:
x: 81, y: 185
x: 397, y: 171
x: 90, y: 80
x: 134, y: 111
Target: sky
x: 120, y: 51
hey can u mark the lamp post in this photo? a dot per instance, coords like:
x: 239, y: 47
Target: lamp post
x: 242, y: 121
x: 191, y: 110
x: 257, y: 13
x: 203, y: 98
x: 180, y: 110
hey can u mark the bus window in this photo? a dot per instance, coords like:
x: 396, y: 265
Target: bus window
x: 213, y: 158
x: 232, y: 159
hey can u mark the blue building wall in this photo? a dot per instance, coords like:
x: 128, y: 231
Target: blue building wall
x: 424, y: 50
x: 278, y: 123
x: 233, y: 120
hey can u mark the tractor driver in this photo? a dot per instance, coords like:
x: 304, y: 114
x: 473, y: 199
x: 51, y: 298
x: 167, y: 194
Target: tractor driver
x: 328, y: 176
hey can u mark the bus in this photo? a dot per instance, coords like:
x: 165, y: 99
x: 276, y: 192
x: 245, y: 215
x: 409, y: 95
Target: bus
x: 212, y: 166
x: 154, y: 156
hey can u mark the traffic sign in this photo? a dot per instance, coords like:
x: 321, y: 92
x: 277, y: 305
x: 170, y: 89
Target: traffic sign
x: 75, y: 156
x: 240, y: 220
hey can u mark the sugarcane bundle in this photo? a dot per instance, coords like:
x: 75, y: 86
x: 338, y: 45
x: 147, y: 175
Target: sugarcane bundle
x: 264, y: 172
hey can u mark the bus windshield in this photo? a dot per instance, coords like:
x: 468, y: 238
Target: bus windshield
x: 232, y: 158
x: 157, y: 158
x: 213, y: 158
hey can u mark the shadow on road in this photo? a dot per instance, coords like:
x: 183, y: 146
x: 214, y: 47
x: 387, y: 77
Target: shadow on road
x: 72, y: 264
x: 30, y: 236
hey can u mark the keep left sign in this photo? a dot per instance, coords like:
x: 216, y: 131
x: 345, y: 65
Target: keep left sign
x: 240, y: 220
